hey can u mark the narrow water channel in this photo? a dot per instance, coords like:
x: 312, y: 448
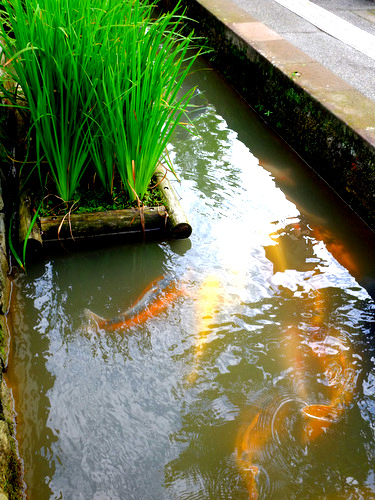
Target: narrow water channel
x: 258, y: 379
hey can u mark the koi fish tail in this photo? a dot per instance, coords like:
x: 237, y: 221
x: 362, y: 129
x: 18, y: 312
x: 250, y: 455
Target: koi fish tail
x: 328, y: 413
x: 251, y: 483
x: 91, y: 316
x: 249, y: 473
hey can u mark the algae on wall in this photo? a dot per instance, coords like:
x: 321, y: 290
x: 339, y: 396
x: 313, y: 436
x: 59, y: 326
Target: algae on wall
x: 11, y: 483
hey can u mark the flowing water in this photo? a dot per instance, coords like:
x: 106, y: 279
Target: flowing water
x: 259, y: 376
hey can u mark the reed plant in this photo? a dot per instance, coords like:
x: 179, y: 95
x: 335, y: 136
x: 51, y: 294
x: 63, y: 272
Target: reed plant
x: 48, y: 58
x: 101, y: 81
x: 139, y: 100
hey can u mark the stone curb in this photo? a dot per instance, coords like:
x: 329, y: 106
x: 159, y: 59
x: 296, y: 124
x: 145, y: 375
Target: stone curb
x: 326, y: 121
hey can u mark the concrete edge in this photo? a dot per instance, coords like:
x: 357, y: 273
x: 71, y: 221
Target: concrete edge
x: 11, y: 472
x: 326, y: 121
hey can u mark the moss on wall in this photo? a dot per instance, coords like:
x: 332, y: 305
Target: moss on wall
x: 11, y: 483
x: 10, y: 467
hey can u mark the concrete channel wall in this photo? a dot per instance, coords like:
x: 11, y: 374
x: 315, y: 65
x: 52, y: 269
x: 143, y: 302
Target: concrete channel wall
x: 326, y: 121
x: 11, y: 484
x: 10, y: 466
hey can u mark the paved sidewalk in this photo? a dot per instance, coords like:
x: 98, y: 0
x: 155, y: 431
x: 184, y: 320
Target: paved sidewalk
x: 346, y: 62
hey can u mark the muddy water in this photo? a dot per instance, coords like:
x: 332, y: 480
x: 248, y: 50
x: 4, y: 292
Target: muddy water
x: 259, y: 379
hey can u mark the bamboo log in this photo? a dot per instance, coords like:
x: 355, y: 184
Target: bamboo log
x: 164, y: 219
x: 34, y: 244
x: 81, y: 226
x: 178, y: 223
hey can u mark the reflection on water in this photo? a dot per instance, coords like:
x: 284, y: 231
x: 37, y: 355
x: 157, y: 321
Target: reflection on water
x: 258, y: 380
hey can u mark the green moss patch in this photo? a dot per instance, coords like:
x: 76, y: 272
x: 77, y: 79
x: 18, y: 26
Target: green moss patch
x: 95, y: 200
x: 10, y: 466
x: 11, y: 483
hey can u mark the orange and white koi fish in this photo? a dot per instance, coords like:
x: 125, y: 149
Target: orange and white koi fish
x: 249, y: 441
x: 337, y: 248
x: 334, y: 358
x: 154, y: 300
x: 252, y: 439
x: 341, y: 378
x: 207, y: 301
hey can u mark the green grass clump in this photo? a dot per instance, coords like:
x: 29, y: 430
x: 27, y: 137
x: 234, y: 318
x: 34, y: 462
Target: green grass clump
x: 101, y: 81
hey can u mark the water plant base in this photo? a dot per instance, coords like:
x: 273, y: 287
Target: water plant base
x: 167, y: 221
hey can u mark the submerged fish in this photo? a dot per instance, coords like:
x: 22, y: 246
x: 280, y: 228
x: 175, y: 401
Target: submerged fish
x: 341, y: 378
x: 338, y: 249
x: 253, y: 439
x: 208, y: 299
x: 154, y: 300
x: 249, y: 441
x: 333, y: 355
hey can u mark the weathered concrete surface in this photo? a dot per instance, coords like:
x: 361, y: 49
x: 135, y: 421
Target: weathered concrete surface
x: 320, y: 115
x: 11, y: 485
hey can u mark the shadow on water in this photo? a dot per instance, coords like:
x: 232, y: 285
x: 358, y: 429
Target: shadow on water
x: 53, y: 338
x: 31, y: 399
x: 258, y: 380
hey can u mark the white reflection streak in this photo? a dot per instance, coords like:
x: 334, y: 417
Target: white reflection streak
x: 238, y: 235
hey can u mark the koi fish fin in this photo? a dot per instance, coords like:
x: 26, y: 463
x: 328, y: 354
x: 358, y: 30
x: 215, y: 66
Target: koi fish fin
x: 153, y: 285
x: 320, y: 417
x: 91, y: 316
x: 253, y: 471
x: 326, y: 413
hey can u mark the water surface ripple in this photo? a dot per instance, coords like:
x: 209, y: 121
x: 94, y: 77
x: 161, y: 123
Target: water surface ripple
x: 258, y: 380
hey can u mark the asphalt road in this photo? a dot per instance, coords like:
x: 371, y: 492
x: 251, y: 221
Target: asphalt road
x: 353, y: 66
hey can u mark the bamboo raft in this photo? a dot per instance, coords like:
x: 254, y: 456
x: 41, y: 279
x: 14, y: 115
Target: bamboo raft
x: 167, y: 221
